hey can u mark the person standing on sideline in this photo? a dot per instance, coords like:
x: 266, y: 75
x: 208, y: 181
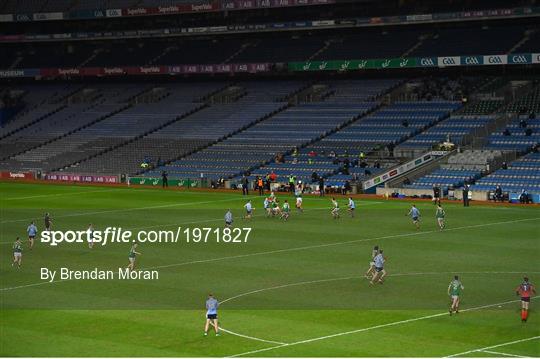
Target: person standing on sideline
x: 260, y: 186
x: 454, y: 291
x: 245, y: 184
x: 211, y: 315
x: 321, y: 186
x: 291, y: 183
x: 465, y: 193
x: 524, y: 290
x: 164, y: 179
x: 32, y: 232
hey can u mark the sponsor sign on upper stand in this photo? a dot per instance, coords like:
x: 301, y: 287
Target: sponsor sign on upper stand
x: 495, y: 59
x: 113, y: 12
x: 472, y: 60
x: 520, y: 58
x: 48, y: 16
x: 448, y: 61
x: 6, y: 17
x: 535, y: 58
x: 427, y: 62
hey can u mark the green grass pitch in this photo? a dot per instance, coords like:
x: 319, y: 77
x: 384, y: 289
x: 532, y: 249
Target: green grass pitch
x: 294, y: 288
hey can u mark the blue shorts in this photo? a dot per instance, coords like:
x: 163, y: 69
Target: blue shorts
x: 415, y: 219
x: 211, y: 316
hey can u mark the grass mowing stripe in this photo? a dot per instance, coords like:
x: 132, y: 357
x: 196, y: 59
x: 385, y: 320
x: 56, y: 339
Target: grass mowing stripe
x: 57, y: 195
x: 495, y: 346
x: 129, y: 209
x: 406, y: 321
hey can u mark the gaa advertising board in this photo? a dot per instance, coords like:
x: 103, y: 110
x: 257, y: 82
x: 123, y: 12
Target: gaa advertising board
x: 406, y: 167
x: 415, y: 62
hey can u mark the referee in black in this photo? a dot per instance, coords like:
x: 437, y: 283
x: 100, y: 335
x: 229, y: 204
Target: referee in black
x: 164, y: 179
x: 465, y: 195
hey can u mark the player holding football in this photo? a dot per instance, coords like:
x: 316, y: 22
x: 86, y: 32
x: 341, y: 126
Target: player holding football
x: 335, y: 208
x: 17, y: 253
x: 299, y: 207
x: 415, y: 216
x: 524, y: 290
x: 132, y: 256
x: 454, y: 291
x: 249, y: 210
x: 439, y: 214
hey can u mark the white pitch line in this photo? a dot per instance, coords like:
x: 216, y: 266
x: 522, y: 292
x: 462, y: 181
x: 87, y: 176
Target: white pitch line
x: 347, y: 278
x: 391, y: 324
x: 359, y: 276
x: 303, y: 248
x: 252, y: 338
x: 503, y: 354
x: 495, y: 346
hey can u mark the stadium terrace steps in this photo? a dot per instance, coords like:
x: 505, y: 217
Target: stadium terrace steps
x: 182, y: 136
x: 461, y: 168
x: 295, y: 127
x: 521, y: 174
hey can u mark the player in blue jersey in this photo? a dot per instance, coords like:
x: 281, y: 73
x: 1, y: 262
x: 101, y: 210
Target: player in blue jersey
x: 351, y: 206
x: 32, y: 232
x: 211, y: 314
x: 415, y: 216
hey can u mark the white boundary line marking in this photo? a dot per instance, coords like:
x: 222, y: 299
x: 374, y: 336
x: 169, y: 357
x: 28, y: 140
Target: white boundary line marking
x: 391, y: 324
x: 346, y: 278
x: 411, y: 234
x: 503, y: 354
x: 495, y: 346
x: 360, y: 277
x: 252, y: 338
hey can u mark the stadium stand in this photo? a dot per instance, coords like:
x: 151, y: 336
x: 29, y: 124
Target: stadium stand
x: 521, y: 174
x: 464, y: 167
x: 259, y: 144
